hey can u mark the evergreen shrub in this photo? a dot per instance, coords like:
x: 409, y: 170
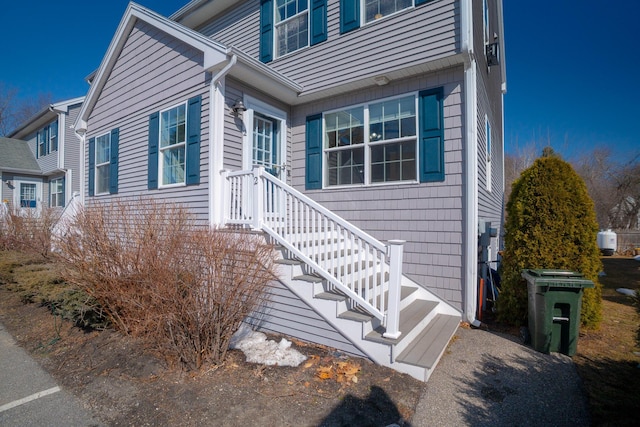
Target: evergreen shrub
x: 551, y: 223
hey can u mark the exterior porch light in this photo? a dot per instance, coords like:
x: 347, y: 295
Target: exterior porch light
x: 238, y: 108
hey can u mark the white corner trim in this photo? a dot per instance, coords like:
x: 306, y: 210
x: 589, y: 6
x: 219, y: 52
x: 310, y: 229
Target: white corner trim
x: 470, y: 227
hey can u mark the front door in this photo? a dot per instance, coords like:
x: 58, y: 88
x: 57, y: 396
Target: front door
x: 266, y: 144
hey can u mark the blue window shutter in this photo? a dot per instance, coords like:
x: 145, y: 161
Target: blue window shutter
x: 431, y: 135
x: 318, y: 21
x: 266, y: 30
x: 152, y: 164
x: 349, y: 15
x: 92, y: 165
x: 38, y: 135
x: 313, y: 166
x: 193, y: 140
x: 419, y: 2
x: 64, y: 189
x: 113, y: 163
x: 47, y: 149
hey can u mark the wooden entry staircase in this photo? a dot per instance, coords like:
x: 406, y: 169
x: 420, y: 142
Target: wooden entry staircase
x: 353, y: 281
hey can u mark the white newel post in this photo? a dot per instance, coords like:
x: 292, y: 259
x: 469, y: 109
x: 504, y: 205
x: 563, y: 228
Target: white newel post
x: 258, y: 197
x: 396, y: 248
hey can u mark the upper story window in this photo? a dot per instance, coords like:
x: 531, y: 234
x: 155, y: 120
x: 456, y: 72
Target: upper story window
x: 373, y: 143
x: 47, y: 139
x: 103, y: 156
x: 173, y: 139
x: 292, y: 25
x: 376, y: 9
x: 53, y: 136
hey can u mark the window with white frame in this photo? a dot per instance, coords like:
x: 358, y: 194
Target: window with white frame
x: 41, y: 139
x: 173, y: 136
x: 102, y: 163
x: 291, y: 25
x: 57, y: 192
x: 53, y: 136
x: 373, y: 143
x: 376, y: 9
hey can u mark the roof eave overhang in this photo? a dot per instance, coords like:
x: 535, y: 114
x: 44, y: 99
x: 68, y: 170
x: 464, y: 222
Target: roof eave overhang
x: 197, y: 12
x: 254, y: 73
x: 390, y: 76
x: 214, y: 53
x: 22, y: 171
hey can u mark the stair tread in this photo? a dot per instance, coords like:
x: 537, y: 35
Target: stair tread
x: 355, y: 315
x: 288, y: 261
x: 409, y: 319
x: 309, y: 278
x: 332, y: 296
x: 427, y: 348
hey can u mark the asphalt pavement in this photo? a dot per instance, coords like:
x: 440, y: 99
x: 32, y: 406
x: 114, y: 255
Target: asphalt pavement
x: 29, y: 396
x: 491, y: 379
x: 484, y: 379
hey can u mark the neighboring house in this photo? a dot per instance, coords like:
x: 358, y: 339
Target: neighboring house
x: 371, y: 121
x: 40, y: 161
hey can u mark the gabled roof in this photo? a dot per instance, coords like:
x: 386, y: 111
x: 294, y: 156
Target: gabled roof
x: 44, y: 116
x: 216, y: 57
x: 15, y: 156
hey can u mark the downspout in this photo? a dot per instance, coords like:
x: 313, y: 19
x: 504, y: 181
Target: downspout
x: 216, y: 143
x: 81, y: 136
x: 470, y: 228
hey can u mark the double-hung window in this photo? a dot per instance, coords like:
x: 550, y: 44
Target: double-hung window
x: 102, y: 163
x: 42, y: 140
x: 291, y: 25
x: 53, y: 136
x: 373, y: 143
x: 376, y: 9
x: 57, y: 192
x: 173, y: 145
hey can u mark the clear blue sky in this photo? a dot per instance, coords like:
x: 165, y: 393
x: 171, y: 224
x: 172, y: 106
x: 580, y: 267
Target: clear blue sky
x: 572, y: 66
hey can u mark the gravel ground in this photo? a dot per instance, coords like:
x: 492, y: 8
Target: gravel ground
x: 491, y: 379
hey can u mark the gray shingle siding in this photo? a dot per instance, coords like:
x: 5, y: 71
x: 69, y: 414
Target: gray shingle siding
x: 284, y: 313
x: 433, y: 29
x: 154, y: 71
x: 72, y: 149
x: 428, y: 216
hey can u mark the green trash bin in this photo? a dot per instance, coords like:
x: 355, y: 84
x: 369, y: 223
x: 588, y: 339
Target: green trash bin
x: 555, y: 300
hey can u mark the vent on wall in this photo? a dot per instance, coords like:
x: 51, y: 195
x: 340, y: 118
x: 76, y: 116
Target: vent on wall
x: 492, y: 54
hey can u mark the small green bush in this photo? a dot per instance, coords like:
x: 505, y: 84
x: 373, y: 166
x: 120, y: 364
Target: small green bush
x: 551, y: 223
x: 43, y: 284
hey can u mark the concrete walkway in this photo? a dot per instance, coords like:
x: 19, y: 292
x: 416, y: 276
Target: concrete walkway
x: 29, y: 396
x: 490, y: 379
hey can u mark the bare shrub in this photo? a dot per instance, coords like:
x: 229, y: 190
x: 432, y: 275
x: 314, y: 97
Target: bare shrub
x: 28, y: 230
x: 161, y: 276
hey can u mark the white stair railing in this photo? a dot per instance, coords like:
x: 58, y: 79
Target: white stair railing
x: 366, y: 270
